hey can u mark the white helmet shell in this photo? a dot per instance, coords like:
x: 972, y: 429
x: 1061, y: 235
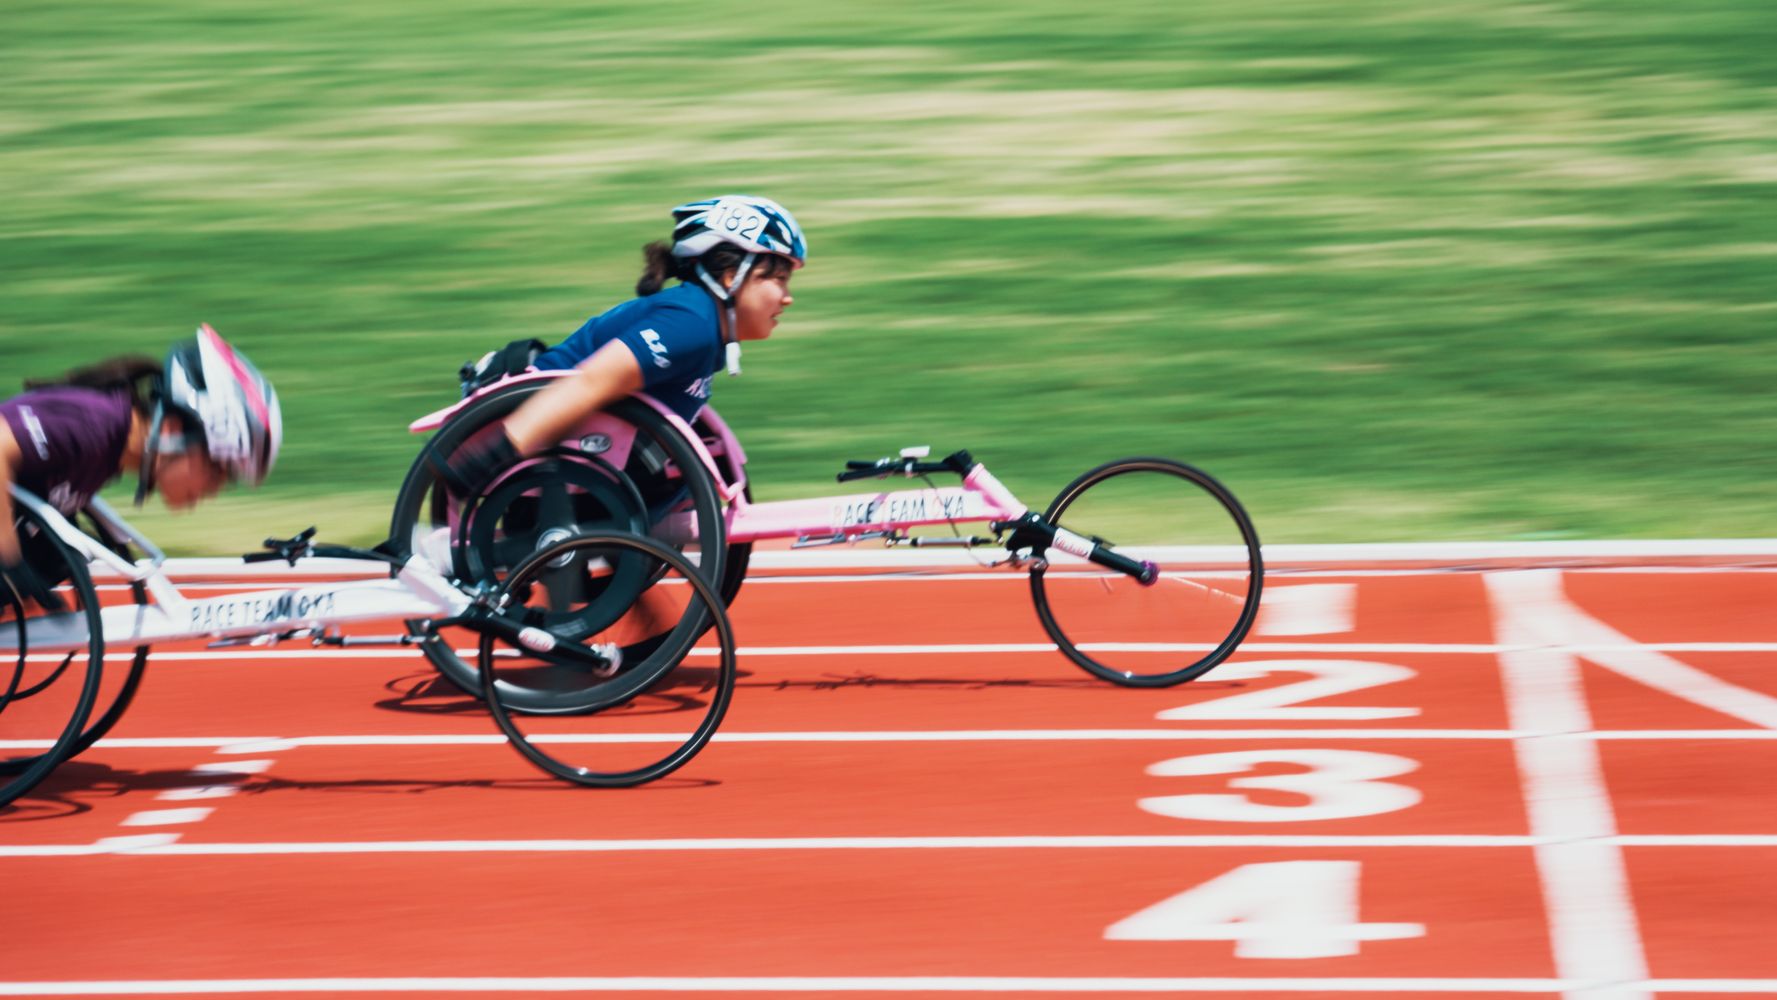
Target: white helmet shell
x: 758, y: 225
x: 217, y: 391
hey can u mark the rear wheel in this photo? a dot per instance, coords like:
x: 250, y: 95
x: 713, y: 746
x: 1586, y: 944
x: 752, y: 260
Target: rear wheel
x: 1198, y: 609
x: 55, y: 663
x: 664, y: 695
x: 662, y: 489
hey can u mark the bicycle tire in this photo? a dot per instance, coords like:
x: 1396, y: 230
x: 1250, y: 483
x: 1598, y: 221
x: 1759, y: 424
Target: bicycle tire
x: 1204, y: 602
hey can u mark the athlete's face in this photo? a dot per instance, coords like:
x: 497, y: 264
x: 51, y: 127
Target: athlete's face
x: 186, y: 477
x: 761, y: 300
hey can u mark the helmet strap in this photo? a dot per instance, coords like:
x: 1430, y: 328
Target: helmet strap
x: 725, y: 295
x: 150, y: 452
x: 731, y: 343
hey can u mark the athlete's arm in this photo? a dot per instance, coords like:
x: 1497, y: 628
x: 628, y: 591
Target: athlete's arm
x: 611, y: 374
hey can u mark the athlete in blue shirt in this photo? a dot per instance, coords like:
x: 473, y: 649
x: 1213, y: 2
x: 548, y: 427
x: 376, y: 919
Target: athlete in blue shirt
x: 671, y: 339
x: 733, y: 256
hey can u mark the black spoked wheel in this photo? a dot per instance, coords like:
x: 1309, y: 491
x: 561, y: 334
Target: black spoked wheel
x: 629, y: 470
x: 1199, y: 607
x: 55, y: 663
x: 663, y: 696
x: 116, y: 692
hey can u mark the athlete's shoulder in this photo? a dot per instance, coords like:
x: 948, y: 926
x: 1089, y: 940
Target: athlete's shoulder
x: 70, y: 402
x: 69, y: 428
x: 687, y: 301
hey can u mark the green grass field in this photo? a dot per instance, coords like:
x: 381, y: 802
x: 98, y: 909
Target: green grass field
x: 1392, y: 269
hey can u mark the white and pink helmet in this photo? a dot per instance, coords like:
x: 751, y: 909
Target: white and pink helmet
x: 224, y: 404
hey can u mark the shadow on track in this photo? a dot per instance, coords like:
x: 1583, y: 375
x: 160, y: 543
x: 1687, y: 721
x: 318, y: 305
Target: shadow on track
x: 429, y: 693
x: 78, y: 786
x: 866, y: 679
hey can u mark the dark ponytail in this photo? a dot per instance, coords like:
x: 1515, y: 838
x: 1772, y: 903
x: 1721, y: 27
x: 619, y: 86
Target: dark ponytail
x: 135, y: 374
x: 659, y: 264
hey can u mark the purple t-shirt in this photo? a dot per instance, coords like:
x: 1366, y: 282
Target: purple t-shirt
x: 70, y: 441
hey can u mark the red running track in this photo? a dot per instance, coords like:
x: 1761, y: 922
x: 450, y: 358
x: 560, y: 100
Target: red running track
x: 1482, y: 784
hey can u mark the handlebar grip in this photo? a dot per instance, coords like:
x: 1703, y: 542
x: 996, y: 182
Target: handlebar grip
x: 868, y: 464
x: 855, y: 473
x: 253, y: 557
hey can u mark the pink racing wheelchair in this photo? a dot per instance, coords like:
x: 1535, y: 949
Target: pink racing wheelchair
x: 583, y: 593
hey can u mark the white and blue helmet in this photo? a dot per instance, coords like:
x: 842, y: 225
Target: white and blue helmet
x: 756, y: 225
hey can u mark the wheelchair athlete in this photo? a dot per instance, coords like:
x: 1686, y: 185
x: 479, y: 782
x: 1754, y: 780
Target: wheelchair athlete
x: 733, y: 257
x: 203, y: 418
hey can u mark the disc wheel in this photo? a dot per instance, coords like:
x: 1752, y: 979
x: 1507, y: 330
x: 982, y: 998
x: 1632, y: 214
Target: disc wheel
x: 661, y: 700
x: 542, y: 501
x: 1196, y: 611
x: 48, y: 694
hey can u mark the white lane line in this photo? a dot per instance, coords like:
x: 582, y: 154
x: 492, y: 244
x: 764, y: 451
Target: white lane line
x: 1457, y: 552
x: 233, y: 770
x: 890, y: 575
x: 260, y: 744
x: 349, y: 656
x: 197, y: 793
x: 1306, y: 609
x: 169, y: 845
x: 168, y: 817
x: 787, y: 984
x: 1592, y: 923
x: 1650, y: 666
x: 857, y: 984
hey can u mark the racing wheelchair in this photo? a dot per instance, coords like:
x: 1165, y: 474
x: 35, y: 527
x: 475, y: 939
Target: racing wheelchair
x: 1143, y: 571
x: 592, y: 581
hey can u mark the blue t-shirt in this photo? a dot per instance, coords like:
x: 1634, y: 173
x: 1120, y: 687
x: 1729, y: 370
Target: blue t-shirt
x: 675, y: 336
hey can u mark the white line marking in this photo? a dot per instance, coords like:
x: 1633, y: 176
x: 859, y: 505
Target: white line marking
x: 197, y: 793
x: 1592, y: 922
x: 220, y: 770
x: 195, y: 570
x: 1306, y: 609
x: 262, y: 745
x: 168, y: 817
x: 273, y: 657
x: 1649, y: 665
x: 238, y: 767
x: 856, y: 984
x: 786, y: 984
x: 132, y: 843
x: 1097, y: 842
x: 254, y: 745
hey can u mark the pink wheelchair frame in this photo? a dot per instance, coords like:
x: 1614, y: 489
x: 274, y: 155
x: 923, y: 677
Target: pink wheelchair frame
x: 1142, y: 576
x: 820, y: 520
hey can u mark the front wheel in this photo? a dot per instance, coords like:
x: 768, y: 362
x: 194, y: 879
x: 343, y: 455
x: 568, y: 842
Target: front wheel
x: 663, y: 693
x: 1193, y: 614
x: 47, y: 696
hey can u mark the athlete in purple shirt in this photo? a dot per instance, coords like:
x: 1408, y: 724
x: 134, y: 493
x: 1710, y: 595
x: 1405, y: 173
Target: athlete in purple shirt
x: 205, y: 418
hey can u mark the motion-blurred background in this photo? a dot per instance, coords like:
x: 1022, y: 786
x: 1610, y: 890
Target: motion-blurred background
x: 1392, y: 269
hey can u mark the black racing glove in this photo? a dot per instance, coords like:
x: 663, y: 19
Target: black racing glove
x: 29, y: 586
x: 471, y: 467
